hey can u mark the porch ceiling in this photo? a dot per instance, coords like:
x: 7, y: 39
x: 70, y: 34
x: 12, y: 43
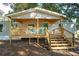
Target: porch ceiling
x: 40, y: 20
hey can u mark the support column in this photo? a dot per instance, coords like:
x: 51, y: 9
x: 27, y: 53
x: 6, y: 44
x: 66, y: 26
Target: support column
x: 29, y: 41
x: 73, y: 41
x: 48, y: 38
x: 37, y: 39
x: 10, y: 34
x: 62, y: 32
x: 61, y: 29
x: 37, y: 30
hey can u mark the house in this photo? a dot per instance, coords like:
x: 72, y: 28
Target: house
x: 4, y: 29
x: 41, y: 23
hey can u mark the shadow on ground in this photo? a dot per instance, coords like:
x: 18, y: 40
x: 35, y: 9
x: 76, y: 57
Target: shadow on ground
x: 22, y: 48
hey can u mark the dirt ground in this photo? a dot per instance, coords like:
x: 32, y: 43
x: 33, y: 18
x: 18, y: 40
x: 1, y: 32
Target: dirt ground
x: 22, y: 48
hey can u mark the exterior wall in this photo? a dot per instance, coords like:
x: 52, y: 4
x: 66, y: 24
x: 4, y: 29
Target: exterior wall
x: 54, y: 26
x: 5, y: 30
x: 4, y: 35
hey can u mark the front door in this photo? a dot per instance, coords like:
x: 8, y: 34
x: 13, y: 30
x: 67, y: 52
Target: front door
x: 43, y: 27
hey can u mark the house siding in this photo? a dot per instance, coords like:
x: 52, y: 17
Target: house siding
x: 4, y: 34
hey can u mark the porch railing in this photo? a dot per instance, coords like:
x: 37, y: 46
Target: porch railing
x: 70, y: 39
x: 19, y: 31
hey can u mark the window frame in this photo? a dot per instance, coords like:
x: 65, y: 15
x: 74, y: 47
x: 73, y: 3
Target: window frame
x: 1, y: 29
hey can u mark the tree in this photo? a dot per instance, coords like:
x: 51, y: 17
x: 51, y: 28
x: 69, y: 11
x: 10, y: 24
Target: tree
x: 22, y: 6
x: 1, y: 13
x: 51, y: 7
x: 70, y: 10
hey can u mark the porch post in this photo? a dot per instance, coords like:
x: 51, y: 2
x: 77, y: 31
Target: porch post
x: 37, y: 30
x: 29, y: 41
x: 10, y: 35
x: 61, y: 28
x: 73, y: 41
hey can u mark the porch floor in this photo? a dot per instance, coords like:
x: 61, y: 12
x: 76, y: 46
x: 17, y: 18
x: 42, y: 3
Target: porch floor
x: 21, y: 48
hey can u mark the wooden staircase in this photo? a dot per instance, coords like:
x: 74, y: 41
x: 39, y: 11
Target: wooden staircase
x: 58, y: 42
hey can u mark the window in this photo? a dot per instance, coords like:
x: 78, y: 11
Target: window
x: 31, y: 28
x: 1, y: 26
x: 44, y: 25
x: 32, y: 25
x: 60, y: 25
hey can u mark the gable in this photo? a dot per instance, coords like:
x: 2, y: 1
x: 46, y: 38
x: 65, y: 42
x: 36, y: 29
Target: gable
x: 35, y: 14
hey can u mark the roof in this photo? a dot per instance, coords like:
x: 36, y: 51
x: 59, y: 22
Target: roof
x: 37, y: 9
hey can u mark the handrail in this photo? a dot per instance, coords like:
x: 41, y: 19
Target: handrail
x: 64, y: 29
x: 48, y: 38
x: 72, y: 41
x: 21, y: 31
x: 68, y: 31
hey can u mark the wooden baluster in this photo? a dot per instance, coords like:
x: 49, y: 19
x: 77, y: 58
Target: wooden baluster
x: 10, y: 32
x: 29, y: 41
x: 73, y: 41
x: 37, y: 39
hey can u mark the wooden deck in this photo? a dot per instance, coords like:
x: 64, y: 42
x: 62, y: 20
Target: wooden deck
x: 23, y: 33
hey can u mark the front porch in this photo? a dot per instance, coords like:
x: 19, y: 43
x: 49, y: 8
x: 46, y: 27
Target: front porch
x: 31, y: 28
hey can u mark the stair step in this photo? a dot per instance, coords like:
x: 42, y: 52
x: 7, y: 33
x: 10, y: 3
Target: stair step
x: 56, y: 37
x: 60, y: 47
x: 59, y: 44
x: 55, y: 42
x: 59, y: 41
